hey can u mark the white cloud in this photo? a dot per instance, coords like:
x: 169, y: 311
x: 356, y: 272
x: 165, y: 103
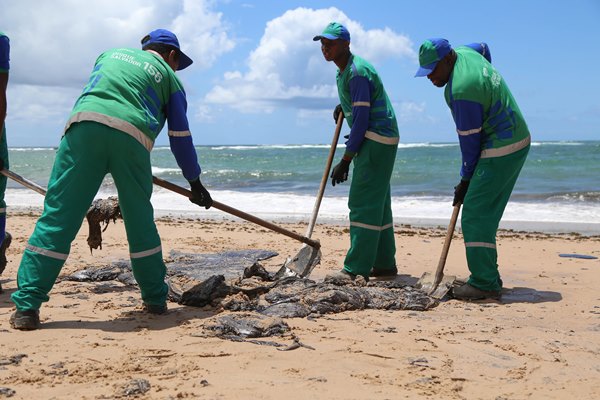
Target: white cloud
x: 409, y: 111
x: 287, y: 67
x: 51, y: 102
x: 54, y: 44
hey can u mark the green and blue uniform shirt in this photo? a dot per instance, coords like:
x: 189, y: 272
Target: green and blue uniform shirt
x: 366, y: 106
x: 487, y: 117
x: 136, y: 92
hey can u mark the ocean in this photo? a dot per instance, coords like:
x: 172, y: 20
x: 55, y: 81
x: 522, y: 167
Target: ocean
x: 558, y: 189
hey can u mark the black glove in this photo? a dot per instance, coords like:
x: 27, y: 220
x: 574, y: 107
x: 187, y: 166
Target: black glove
x: 340, y: 172
x: 460, y: 191
x: 336, y: 112
x: 200, y: 195
x: 1, y: 163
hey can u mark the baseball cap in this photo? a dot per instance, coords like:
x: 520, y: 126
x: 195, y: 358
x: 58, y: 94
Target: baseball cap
x: 334, y: 31
x: 167, y: 37
x: 430, y: 53
x: 483, y: 49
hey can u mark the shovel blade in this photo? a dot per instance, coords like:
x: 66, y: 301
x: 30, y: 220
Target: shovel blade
x: 300, y: 265
x: 427, y: 284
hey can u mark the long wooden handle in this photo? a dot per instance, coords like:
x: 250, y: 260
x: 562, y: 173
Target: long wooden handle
x: 25, y: 182
x: 334, y: 141
x: 230, y: 210
x: 439, y: 272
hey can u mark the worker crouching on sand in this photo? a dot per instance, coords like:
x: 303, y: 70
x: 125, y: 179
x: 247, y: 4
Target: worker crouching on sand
x: 372, y: 147
x: 130, y: 95
x: 494, y: 142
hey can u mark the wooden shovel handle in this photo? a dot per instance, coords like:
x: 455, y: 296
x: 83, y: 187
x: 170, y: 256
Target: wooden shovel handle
x: 230, y: 210
x: 325, y: 177
x: 25, y: 182
x: 439, y: 272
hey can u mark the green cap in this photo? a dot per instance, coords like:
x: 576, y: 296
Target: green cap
x: 430, y: 53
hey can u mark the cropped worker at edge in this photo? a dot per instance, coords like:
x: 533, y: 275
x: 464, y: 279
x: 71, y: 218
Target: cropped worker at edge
x: 494, y: 142
x: 371, y: 147
x: 5, y: 237
x: 130, y: 95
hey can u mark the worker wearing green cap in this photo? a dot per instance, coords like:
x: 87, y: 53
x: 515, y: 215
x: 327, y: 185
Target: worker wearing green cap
x: 494, y: 142
x: 371, y: 147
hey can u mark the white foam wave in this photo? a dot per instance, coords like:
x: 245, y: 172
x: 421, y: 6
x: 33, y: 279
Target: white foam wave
x: 557, y: 143
x: 282, y: 206
x: 158, y: 170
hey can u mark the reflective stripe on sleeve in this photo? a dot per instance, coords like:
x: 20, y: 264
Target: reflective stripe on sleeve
x: 393, y: 140
x: 146, y: 253
x: 371, y: 227
x: 480, y: 244
x: 469, y: 132
x: 47, y: 253
x: 361, y: 104
x: 180, y: 133
x: 506, y: 150
x: 116, y: 123
x: 3, y: 210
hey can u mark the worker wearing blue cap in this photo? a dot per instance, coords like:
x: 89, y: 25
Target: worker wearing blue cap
x: 371, y: 147
x: 130, y: 95
x: 494, y: 142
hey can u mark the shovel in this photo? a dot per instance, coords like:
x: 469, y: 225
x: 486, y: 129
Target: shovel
x: 437, y: 285
x: 307, y: 258
x: 25, y: 182
x: 230, y: 210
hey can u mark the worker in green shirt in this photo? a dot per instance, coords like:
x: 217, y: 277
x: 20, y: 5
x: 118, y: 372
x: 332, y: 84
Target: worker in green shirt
x: 371, y: 147
x: 130, y: 95
x: 494, y: 142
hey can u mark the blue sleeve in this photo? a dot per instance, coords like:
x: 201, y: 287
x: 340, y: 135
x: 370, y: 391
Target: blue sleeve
x: 360, y: 93
x: 4, y: 53
x: 180, y: 137
x: 468, y: 117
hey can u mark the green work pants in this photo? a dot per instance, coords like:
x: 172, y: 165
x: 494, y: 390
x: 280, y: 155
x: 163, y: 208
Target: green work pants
x: 490, y: 188
x: 87, y: 152
x: 372, y: 243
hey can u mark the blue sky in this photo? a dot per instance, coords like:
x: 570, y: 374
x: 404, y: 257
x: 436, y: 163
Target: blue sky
x: 258, y: 78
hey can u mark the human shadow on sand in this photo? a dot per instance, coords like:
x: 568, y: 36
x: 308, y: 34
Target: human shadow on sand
x: 135, y: 320
x: 528, y: 295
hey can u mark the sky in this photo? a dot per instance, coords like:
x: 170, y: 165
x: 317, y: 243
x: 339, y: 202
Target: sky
x: 258, y: 77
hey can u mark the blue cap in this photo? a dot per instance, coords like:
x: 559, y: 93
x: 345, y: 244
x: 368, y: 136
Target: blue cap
x: 430, y: 53
x: 483, y: 49
x: 334, y: 31
x: 167, y: 37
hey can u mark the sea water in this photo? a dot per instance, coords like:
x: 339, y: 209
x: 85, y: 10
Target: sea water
x: 558, y: 189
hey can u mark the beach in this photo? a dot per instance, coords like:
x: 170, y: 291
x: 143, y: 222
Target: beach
x: 540, y: 341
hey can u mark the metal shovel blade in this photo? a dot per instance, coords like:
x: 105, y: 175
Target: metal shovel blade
x: 302, y: 264
x: 428, y: 285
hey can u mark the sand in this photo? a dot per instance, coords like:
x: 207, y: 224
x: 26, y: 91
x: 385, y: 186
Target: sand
x: 541, y: 341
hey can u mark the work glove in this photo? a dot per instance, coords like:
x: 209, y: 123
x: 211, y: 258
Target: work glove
x: 200, y: 195
x: 340, y: 172
x: 1, y: 164
x: 460, y: 191
x: 336, y: 112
